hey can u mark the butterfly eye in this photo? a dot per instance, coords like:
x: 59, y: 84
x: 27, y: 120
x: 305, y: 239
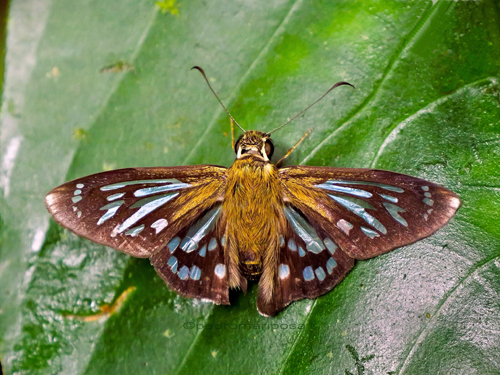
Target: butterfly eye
x: 237, y: 144
x: 269, y: 148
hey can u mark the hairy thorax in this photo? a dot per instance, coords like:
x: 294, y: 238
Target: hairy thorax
x: 253, y: 210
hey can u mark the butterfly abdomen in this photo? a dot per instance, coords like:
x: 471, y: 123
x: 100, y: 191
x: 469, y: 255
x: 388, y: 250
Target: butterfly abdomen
x: 252, y: 208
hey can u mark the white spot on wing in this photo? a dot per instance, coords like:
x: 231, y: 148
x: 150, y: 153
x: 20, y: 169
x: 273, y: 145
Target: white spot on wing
x: 115, y: 231
x: 454, y: 202
x: 283, y: 271
x: 345, y: 226
x: 159, y: 225
x: 220, y: 270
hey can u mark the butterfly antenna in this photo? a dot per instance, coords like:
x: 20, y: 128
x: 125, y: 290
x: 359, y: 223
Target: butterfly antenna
x: 301, y: 112
x: 208, y: 83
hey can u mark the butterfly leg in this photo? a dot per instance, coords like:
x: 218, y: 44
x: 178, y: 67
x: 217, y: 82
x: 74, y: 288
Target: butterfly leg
x: 293, y: 148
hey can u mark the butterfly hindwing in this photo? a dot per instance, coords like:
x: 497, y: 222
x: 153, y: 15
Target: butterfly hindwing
x: 310, y: 263
x: 192, y: 263
x: 368, y: 212
x: 136, y: 210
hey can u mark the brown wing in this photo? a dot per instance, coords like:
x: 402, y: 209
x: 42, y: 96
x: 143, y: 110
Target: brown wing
x: 193, y: 263
x: 309, y: 264
x: 144, y: 212
x: 337, y: 215
x: 368, y: 212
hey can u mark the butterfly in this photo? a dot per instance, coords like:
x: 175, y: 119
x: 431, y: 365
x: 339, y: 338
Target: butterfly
x: 297, y: 230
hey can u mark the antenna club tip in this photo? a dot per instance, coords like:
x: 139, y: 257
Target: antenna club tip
x: 343, y: 83
x: 197, y: 68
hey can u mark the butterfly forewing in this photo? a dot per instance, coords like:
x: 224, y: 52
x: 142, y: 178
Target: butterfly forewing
x: 368, y: 212
x: 136, y: 210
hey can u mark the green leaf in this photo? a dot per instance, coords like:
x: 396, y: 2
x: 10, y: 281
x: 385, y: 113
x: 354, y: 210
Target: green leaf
x: 92, y: 86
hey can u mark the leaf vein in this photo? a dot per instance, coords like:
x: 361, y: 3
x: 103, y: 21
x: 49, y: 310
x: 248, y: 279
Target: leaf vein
x: 405, y: 43
x: 439, y: 306
x: 429, y: 107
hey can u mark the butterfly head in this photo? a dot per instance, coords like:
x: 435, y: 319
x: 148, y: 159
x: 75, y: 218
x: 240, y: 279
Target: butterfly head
x: 254, y: 143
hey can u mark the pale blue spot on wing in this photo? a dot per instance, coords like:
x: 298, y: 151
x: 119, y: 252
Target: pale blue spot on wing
x: 160, y: 189
x: 76, y: 199
x: 308, y: 273
x: 282, y: 241
x: 109, y: 214
x: 115, y: 197
x: 383, y: 186
x: 394, y: 212
x: 330, y: 265
x: 203, y: 251
x: 370, y: 233
x: 195, y: 273
x: 184, y: 241
x: 320, y: 274
x: 292, y: 245
x: 145, y: 210
x: 112, y: 205
x: 119, y: 185
x: 79, y: 186
x: 344, y: 189
x: 223, y: 240
x: 220, y: 270
x: 135, y: 231
x: 389, y: 198
x: 428, y: 195
x: 184, y: 273
x: 172, y: 262
x: 425, y: 188
x: 111, y: 208
x: 172, y: 245
x: 304, y: 230
x: 428, y: 201
x: 330, y: 245
x: 78, y: 192
x: 283, y: 271
x: 212, y: 244
x: 200, y: 229
x: 144, y: 201
x: 301, y: 251
x: 359, y: 210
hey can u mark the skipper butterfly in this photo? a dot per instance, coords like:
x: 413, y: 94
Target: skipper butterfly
x: 297, y: 230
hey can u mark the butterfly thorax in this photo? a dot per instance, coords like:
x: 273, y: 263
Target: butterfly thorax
x: 253, y: 211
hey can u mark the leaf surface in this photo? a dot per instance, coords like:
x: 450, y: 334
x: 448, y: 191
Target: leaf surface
x: 92, y: 86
